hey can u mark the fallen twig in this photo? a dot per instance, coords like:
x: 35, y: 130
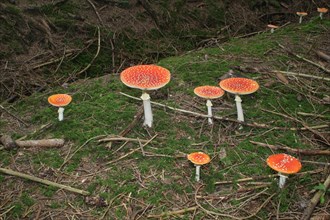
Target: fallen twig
x: 292, y: 150
x: 9, y: 143
x: 118, y: 138
x: 264, y: 177
x: 96, y: 12
x: 132, y: 151
x: 51, y: 61
x: 257, y: 125
x: 315, y: 200
x: 137, y: 117
x: 176, y: 212
x: 322, y: 55
x: 14, y: 116
x: 304, y: 59
x: 84, y: 144
x: 231, y: 216
x: 46, y: 182
x: 302, y: 75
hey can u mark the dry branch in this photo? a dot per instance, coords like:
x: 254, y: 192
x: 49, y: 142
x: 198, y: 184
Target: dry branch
x: 264, y: 177
x: 96, y: 12
x: 14, y: 116
x: 118, y: 138
x: 322, y: 55
x: 304, y: 59
x: 9, y: 143
x: 292, y: 150
x: 132, y: 151
x: 315, y: 200
x: 177, y: 212
x: 46, y: 182
x: 256, y: 125
x: 302, y: 75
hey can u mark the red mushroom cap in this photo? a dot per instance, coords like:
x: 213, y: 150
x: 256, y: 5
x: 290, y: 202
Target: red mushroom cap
x: 59, y: 100
x: 145, y: 77
x: 209, y: 92
x: 322, y: 10
x: 240, y: 86
x: 199, y: 158
x: 284, y: 163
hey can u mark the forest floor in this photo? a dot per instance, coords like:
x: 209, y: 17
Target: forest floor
x: 126, y: 171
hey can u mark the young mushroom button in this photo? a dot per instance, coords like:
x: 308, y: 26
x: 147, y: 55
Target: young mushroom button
x: 209, y: 92
x: 146, y: 77
x: 60, y: 100
x: 239, y: 86
x: 284, y: 164
x: 272, y: 27
x: 301, y: 15
x: 322, y: 11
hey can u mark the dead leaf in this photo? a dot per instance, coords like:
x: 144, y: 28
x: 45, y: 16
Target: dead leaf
x: 269, y: 83
x: 282, y: 78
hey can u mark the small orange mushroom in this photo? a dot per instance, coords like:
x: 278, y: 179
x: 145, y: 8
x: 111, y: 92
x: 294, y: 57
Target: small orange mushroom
x: 272, y: 27
x: 146, y: 77
x: 301, y: 15
x: 322, y: 11
x: 60, y: 100
x: 209, y: 92
x: 284, y: 164
x: 239, y: 86
x: 198, y: 158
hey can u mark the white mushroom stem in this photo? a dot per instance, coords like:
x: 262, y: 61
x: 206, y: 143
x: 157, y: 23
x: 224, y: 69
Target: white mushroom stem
x: 300, y: 19
x: 209, y: 111
x: 321, y: 16
x: 272, y: 30
x: 240, y: 116
x: 198, y: 172
x: 60, y: 113
x: 282, y: 180
x: 147, y: 109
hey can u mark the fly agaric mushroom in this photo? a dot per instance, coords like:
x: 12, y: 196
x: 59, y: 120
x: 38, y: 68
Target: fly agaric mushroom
x: 284, y: 164
x: 198, y: 158
x: 60, y: 100
x: 146, y: 77
x: 322, y: 11
x: 239, y: 86
x: 301, y: 15
x: 209, y: 92
x: 272, y: 27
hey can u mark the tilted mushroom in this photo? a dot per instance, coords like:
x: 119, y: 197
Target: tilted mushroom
x: 272, y: 27
x: 322, y: 11
x: 60, y: 100
x: 301, y: 15
x: 198, y: 158
x: 146, y: 77
x: 239, y: 86
x: 284, y: 164
x: 209, y: 92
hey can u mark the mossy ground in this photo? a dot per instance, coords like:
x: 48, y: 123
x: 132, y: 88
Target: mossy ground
x: 156, y: 180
